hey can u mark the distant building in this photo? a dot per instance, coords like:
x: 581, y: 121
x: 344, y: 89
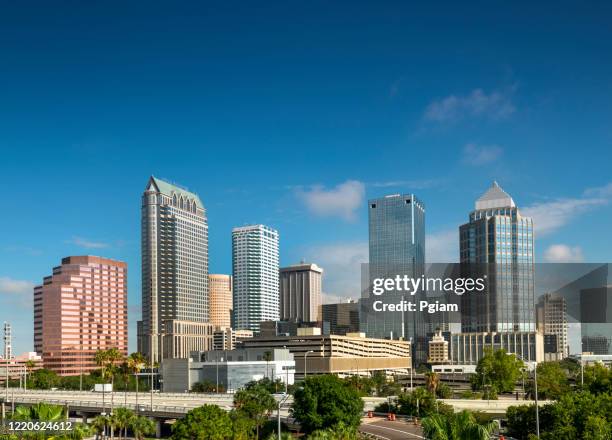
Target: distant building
x: 182, y: 337
x: 438, y: 349
x: 174, y: 236
x: 596, y: 320
x: 498, y: 243
x: 551, y: 317
x: 221, y: 300
x: 255, y: 270
x: 19, y: 366
x: 226, y: 338
x: 80, y: 309
x: 341, y: 355
x: 8, y: 344
x: 291, y: 328
x: 469, y: 348
x: 300, y: 292
x: 231, y: 369
x: 343, y: 317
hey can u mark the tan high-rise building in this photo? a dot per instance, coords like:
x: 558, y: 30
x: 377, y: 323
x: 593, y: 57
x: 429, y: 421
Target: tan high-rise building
x: 438, y: 349
x: 174, y: 272
x: 80, y: 309
x: 300, y: 292
x: 220, y: 287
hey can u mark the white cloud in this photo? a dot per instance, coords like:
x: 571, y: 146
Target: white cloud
x: 548, y: 217
x: 561, y: 253
x: 495, y: 105
x: 478, y: 155
x: 552, y: 215
x: 88, y: 244
x: 442, y: 246
x: 10, y: 286
x: 341, y: 201
x: 341, y: 263
x: 16, y: 292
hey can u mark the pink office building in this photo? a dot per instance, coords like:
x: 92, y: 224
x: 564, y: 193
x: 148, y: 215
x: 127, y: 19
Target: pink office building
x: 80, y: 309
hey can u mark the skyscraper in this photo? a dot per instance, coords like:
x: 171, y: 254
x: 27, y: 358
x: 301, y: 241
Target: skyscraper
x: 300, y: 292
x: 551, y: 318
x: 220, y: 300
x: 80, y: 309
x: 498, y: 243
x: 396, y: 247
x: 174, y: 272
x: 256, y: 278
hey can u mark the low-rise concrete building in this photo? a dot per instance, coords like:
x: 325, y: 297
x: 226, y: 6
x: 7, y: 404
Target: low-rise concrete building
x: 468, y: 348
x: 226, y: 338
x: 343, y: 355
x: 230, y: 369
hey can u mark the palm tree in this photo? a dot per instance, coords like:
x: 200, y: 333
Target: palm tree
x: 99, y: 425
x: 29, y: 367
x: 142, y: 426
x: 460, y: 426
x: 124, y: 370
x: 267, y: 356
x: 432, y: 380
x: 136, y: 362
x: 123, y: 418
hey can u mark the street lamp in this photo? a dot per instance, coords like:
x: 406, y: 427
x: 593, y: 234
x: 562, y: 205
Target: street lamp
x: 280, y: 402
x: 305, y: 355
x: 217, y: 362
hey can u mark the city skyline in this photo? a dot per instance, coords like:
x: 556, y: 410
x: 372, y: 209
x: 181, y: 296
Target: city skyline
x: 294, y: 120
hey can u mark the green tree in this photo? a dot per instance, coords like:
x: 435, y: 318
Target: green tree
x: 135, y: 363
x: 142, y: 426
x: 363, y: 385
x: 256, y: 402
x: 99, y: 424
x: 40, y: 411
x: 123, y: 419
x: 432, y: 381
x: 444, y: 391
x: 44, y: 379
x: 243, y: 428
x: 552, y: 381
x: 597, y: 428
x: 108, y: 359
x: 420, y: 403
x: 497, y: 370
x: 460, y: 426
x: 597, y: 379
x: 324, y: 401
x: 208, y: 422
x: 204, y: 386
x: 521, y: 421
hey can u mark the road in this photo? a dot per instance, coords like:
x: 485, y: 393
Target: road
x: 396, y: 430
x: 163, y: 405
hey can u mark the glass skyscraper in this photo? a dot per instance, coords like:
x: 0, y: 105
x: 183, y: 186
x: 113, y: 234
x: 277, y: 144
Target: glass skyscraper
x: 498, y: 242
x: 255, y: 265
x: 396, y: 247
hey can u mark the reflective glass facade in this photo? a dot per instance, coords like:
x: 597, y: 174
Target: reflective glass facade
x: 396, y: 246
x: 498, y: 242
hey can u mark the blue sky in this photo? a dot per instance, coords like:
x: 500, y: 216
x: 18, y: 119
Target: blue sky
x: 293, y: 114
